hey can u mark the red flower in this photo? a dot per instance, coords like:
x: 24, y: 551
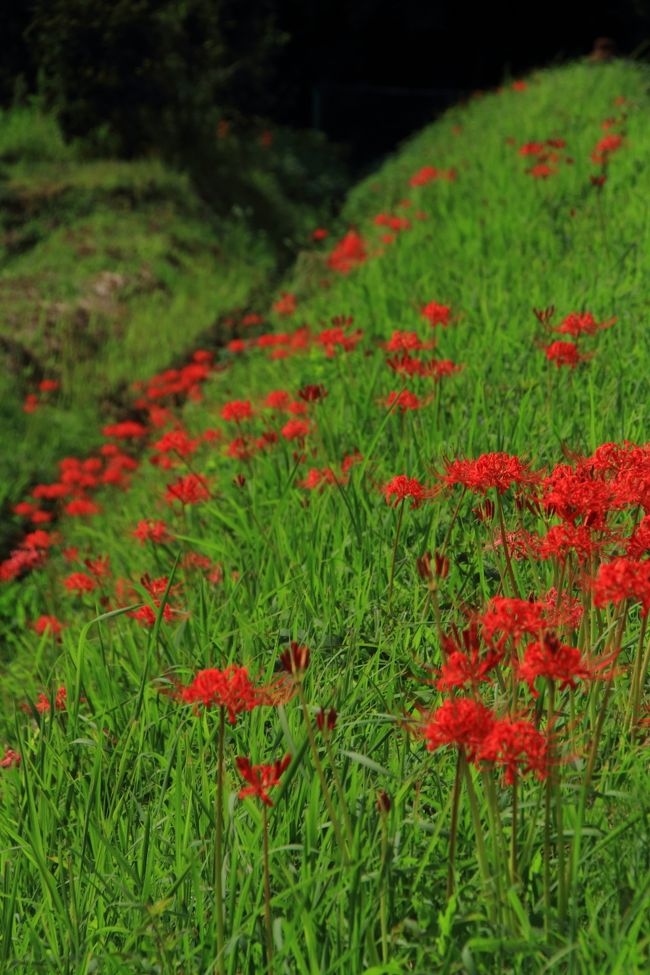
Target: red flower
x: 295, y: 660
x: 326, y: 719
x: 190, y: 489
x: 639, y: 543
x: 295, y: 429
x: 47, y: 624
x: 48, y: 385
x: 261, y: 777
x: 582, y: 323
x: 497, y: 470
x: 151, y: 530
x: 516, y: 746
x: 437, y: 314
x: 127, y: 430
x: 10, y: 758
x: 348, y: 253
x: 318, y: 479
x: 80, y: 583
x: 230, y: 689
x: 286, y: 304
x: 320, y: 233
x: 277, y: 399
x: 402, y: 487
x: 405, y: 400
x: 311, y: 393
x: 60, y: 701
x: 558, y: 661
x: 81, y: 507
x: 458, y: 721
x: 512, y: 618
x: 237, y: 410
x: 464, y: 664
x: 623, y: 579
x: 563, y: 354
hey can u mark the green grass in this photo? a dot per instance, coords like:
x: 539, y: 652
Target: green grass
x: 108, y: 827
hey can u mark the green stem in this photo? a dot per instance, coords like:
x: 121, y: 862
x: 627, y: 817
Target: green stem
x: 453, y: 830
x: 400, y: 517
x: 506, y: 550
x: 513, y: 834
x: 267, y: 893
x: 640, y: 670
x: 218, y: 853
x: 484, y: 865
x: 383, y: 912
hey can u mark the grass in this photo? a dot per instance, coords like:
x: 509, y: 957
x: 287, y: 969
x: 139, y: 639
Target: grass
x: 109, y: 824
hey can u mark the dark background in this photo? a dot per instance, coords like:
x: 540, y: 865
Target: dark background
x: 149, y: 73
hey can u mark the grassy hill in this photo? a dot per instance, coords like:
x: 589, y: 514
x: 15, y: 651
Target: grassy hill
x: 431, y: 471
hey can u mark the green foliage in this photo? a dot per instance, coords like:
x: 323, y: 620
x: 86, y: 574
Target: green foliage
x: 107, y: 830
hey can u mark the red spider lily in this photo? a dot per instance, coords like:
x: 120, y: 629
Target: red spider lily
x: 564, y: 354
x: 319, y: 233
x: 639, y: 543
x: 295, y: 429
x: 190, y: 489
x: 406, y: 342
x: 563, y: 540
x: 261, y: 778
x: 557, y: 661
x: 563, y: 610
x: 348, y: 253
x: 237, y: 346
x: 466, y: 664
x: 99, y: 567
x: 277, y: 399
x: 81, y: 507
x: 286, y: 304
x: 318, y: 479
x: 311, y: 393
x: 405, y: 400
x: 429, y: 173
x: 339, y: 338
x: 177, y: 442
x: 517, y: 747
x: 541, y: 170
x: 459, y: 721
x: 295, y: 659
x: 428, y: 573
x: 498, y: 470
x: 31, y: 403
x: 544, y: 315
x: 437, y: 314
x: 582, y: 323
x: 383, y: 802
x: 48, y: 385
x: 43, y: 705
x: 402, y: 487
x: 127, y: 430
x: 623, y: 579
x: 151, y: 530
x: 326, y: 719
x: 147, y: 615
x: 512, y: 618
x: 236, y: 411
x: 79, y: 583
x: 231, y: 689
x: 10, y: 758
x: 47, y: 624
x: 350, y: 460
x: 605, y: 147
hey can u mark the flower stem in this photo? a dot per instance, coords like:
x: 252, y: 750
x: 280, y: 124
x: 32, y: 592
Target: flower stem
x: 506, y: 550
x: 453, y: 830
x: 383, y: 913
x: 218, y: 853
x: 267, y: 893
x: 400, y: 518
x: 640, y: 670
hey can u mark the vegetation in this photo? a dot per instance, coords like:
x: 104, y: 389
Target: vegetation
x: 416, y: 512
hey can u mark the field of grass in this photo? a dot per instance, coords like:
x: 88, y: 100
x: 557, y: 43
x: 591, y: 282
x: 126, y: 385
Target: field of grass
x: 432, y: 562
x: 110, y: 271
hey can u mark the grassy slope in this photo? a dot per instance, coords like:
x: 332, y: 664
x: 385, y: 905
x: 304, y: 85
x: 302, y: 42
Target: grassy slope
x: 108, y: 818
x: 109, y: 271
